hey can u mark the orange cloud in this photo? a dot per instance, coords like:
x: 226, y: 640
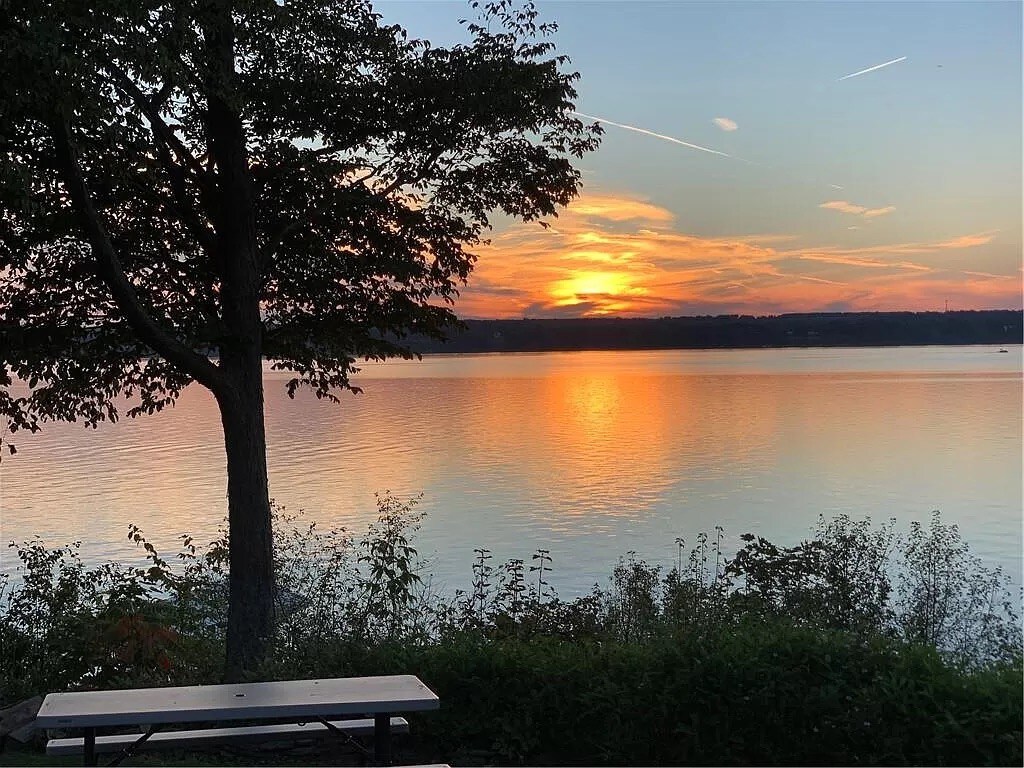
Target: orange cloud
x: 968, y: 241
x: 860, y: 210
x: 873, y: 212
x: 843, y: 207
x: 855, y: 261
x: 618, y: 255
x: 618, y: 209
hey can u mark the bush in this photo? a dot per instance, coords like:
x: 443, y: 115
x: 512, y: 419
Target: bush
x: 950, y: 600
x: 853, y: 647
x: 68, y: 626
x: 763, y: 693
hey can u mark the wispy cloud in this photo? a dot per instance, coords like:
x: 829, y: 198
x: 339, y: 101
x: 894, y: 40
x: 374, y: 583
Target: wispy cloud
x: 848, y: 260
x: 871, y: 213
x: 985, y: 274
x: 970, y: 241
x: 725, y: 123
x: 857, y: 210
x: 618, y: 208
x: 872, y: 69
x: 911, y: 248
x: 646, y: 132
x: 843, y: 207
x: 622, y: 255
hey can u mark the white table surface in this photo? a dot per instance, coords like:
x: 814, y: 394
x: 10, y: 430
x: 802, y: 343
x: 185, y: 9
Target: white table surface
x: 197, y: 703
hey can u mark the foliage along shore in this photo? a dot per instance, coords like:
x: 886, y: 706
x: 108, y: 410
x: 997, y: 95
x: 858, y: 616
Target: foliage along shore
x: 857, y: 646
x: 817, y: 329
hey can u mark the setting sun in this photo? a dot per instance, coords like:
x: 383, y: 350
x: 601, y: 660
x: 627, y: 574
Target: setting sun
x: 601, y: 292
x: 592, y: 264
x: 591, y: 284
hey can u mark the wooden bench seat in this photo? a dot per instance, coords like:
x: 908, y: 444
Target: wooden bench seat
x: 235, y: 735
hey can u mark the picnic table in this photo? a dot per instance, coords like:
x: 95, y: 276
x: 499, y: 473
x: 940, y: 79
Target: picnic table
x: 287, y: 708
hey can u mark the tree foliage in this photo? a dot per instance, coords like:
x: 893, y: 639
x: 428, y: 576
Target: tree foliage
x: 192, y: 186
x: 373, y: 163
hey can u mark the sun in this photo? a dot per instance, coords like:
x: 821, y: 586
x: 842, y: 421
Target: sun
x: 606, y: 291
x: 584, y: 285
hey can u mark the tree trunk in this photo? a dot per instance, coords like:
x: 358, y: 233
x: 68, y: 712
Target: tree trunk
x: 251, y: 581
x: 251, y: 611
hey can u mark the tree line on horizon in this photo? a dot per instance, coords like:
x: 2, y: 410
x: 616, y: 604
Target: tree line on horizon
x: 826, y: 329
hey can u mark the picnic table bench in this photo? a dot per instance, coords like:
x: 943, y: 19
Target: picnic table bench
x: 340, y: 706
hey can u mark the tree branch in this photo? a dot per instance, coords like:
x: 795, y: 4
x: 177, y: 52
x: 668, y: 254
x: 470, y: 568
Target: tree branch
x: 421, y: 173
x: 267, y: 253
x: 149, y: 109
x: 109, y: 269
x: 165, y: 141
x: 158, y: 99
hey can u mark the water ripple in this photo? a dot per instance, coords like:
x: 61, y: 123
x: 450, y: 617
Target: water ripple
x: 589, y: 455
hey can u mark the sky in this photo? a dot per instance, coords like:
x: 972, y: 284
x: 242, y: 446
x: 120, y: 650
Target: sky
x: 863, y: 156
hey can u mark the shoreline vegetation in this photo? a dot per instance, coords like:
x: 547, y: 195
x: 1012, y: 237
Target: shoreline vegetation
x: 785, y: 331
x: 816, y: 329
x: 859, y: 645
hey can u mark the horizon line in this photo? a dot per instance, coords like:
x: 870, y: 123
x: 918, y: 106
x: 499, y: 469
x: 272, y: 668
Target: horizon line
x: 746, y: 314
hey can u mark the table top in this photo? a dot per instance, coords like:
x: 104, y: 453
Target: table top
x: 196, y: 703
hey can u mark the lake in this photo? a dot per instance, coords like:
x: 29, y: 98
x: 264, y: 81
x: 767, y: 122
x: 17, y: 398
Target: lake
x: 587, y: 454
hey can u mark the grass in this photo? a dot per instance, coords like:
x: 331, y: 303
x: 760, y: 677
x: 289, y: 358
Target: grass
x: 323, y: 754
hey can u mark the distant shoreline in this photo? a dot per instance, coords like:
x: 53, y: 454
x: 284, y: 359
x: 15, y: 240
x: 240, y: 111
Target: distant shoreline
x: 450, y: 352
x: 848, y: 329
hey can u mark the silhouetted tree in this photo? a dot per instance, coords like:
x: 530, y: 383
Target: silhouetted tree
x: 191, y: 186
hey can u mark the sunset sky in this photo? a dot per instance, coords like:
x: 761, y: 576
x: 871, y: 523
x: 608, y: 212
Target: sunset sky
x: 896, y: 188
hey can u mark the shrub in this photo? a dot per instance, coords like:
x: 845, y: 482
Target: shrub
x: 65, y: 625
x: 759, y: 693
x: 853, y: 647
x: 839, y: 580
x: 950, y: 600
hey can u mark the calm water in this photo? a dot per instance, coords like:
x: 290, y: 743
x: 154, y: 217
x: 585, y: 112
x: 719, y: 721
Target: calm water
x: 587, y: 454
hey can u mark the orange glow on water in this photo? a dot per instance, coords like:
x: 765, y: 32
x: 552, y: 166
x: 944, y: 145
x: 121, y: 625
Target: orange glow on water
x: 517, y: 451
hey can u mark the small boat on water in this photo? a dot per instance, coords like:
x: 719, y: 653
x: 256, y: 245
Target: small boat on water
x: 1004, y: 350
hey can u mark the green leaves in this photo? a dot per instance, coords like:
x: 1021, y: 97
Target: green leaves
x: 924, y: 588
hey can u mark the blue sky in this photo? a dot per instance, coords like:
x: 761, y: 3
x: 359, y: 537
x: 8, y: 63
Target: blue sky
x: 898, y: 188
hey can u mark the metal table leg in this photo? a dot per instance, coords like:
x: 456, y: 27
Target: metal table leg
x: 131, y: 748
x: 89, y: 755
x: 382, y: 738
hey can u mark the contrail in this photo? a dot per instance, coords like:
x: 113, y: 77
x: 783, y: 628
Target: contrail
x: 872, y: 69
x: 655, y: 135
x: 674, y: 140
